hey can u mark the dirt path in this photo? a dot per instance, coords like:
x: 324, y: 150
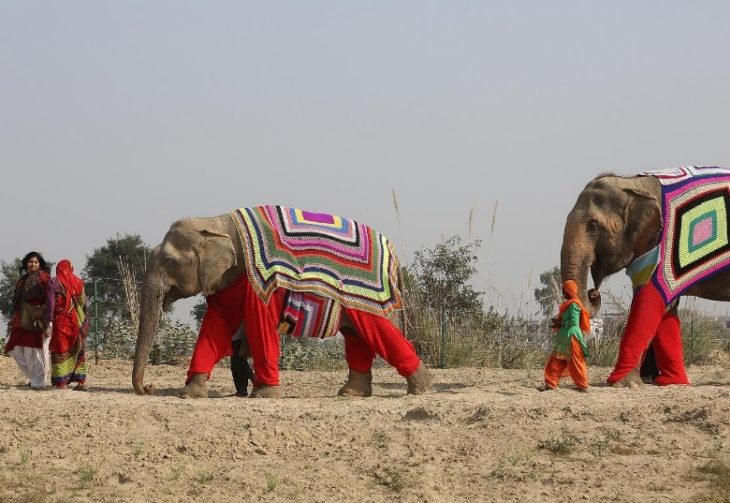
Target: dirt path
x: 480, y: 435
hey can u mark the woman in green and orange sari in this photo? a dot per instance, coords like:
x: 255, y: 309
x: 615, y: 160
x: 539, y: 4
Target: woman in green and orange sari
x: 66, y: 301
x: 570, y: 349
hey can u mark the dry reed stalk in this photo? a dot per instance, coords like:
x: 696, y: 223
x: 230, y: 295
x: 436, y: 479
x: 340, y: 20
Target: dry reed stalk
x: 494, y: 215
x: 129, y: 281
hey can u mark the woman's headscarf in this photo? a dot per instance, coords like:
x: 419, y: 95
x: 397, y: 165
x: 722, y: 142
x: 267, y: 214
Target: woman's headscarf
x: 570, y: 289
x: 71, y: 283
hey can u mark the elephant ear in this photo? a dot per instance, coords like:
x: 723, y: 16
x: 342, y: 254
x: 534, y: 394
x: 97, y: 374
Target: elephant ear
x: 216, y: 255
x: 643, y: 220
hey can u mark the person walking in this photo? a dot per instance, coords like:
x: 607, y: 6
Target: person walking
x: 570, y: 349
x: 66, y: 304
x: 28, y: 326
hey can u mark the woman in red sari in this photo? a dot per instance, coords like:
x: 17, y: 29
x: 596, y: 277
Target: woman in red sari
x: 67, y: 303
x: 26, y: 343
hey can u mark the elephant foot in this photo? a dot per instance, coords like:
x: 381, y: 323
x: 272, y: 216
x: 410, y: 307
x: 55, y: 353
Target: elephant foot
x: 358, y: 384
x: 633, y: 380
x: 264, y: 391
x: 420, y: 380
x: 196, y: 387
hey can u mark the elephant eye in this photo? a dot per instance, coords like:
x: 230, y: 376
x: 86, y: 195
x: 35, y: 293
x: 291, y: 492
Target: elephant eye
x: 592, y: 226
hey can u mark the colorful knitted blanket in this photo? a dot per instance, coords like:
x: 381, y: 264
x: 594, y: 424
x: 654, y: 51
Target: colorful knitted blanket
x: 309, y: 315
x: 695, y: 243
x: 328, y: 255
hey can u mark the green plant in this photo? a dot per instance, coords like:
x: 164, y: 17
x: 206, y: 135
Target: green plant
x: 86, y: 475
x: 25, y: 456
x: 204, y: 478
x: 561, y: 445
x: 271, y: 482
x: 599, y: 446
x: 176, y: 473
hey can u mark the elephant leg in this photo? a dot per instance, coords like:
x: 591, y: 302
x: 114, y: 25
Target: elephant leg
x: 359, y: 358
x: 196, y: 387
x: 264, y: 391
x: 379, y: 334
x: 647, y: 309
x: 260, y: 323
x: 669, y: 351
x: 221, y: 320
x: 419, y: 381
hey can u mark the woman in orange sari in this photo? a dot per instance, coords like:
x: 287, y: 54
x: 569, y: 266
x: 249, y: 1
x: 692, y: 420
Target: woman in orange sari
x: 570, y: 349
x: 67, y: 303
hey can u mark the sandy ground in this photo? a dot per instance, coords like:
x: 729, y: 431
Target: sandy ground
x: 479, y: 435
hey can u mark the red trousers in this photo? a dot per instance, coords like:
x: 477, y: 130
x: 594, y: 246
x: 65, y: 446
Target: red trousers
x: 648, y: 321
x: 221, y: 320
x: 238, y: 303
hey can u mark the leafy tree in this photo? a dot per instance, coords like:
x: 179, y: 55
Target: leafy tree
x: 550, y: 295
x: 441, y: 276
x: 198, y: 311
x: 103, y: 265
x: 10, y: 273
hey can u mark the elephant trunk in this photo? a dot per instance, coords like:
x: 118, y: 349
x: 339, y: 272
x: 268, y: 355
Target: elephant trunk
x: 152, y: 298
x: 576, y: 258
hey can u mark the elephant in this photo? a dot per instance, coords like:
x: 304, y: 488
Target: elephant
x: 669, y: 230
x: 215, y: 256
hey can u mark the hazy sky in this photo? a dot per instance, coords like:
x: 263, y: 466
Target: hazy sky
x: 122, y: 116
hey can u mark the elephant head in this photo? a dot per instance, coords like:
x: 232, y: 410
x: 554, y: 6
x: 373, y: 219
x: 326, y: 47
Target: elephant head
x: 197, y: 255
x: 614, y: 220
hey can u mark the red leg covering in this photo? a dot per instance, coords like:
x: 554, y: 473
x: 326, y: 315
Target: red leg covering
x: 668, y: 351
x: 647, y: 309
x: 382, y: 337
x: 260, y: 323
x: 358, y: 354
x: 221, y: 320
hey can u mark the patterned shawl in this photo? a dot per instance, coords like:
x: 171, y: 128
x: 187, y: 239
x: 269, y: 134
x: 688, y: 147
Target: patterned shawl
x: 30, y: 286
x: 695, y: 243
x: 328, y: 255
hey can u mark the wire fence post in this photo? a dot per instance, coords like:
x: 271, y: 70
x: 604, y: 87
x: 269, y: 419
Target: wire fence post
x: 96, y: 321
x: 692, y: 338
x: 442, y: 355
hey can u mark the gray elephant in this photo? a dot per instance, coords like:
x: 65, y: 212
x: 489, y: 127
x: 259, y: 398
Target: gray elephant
x: 669, y: 230
x: 279, y: 270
